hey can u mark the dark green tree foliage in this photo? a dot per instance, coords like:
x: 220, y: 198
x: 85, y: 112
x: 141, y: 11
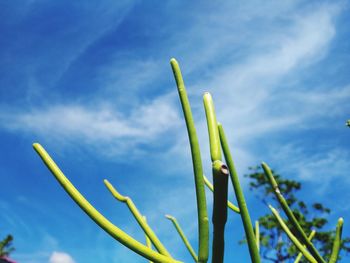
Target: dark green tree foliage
x: 6, y: 246
x: 274, y: 244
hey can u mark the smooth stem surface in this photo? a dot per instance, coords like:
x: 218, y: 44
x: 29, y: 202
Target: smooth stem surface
x: 96, y: 216
x: 257, y: 234
x: 211, y: 188
x: 203, y: 222
x: 295, y: 241
x: 214, y: 139
x: 220, y: 178
x: 183, y: 237
x: 148, y: 241
x: 247, y: 224
x: 337, y: 241
x: 300, y: 255
x: 296, y: 226
x: 139, y: 218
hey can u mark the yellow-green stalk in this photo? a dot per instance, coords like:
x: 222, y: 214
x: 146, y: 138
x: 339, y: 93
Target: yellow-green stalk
x: 148, y: 241
x: 300, y: 255
x: 96, y: 216
x: 337, y: 241
x: 139, y: 218
x: 247, y: 224
x: 296, y: 226
x: 295, y: 241
x: 220, y: 182
x: 183, y: 237
x: 203, y: 222
x: 257, y: 234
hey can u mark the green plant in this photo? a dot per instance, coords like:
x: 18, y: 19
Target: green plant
x: 220, y: 172
x: 6, y: 247
x: 275, y: 248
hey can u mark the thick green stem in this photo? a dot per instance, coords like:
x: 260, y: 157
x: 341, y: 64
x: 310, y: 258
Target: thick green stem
x: 300, y: 255
x: 183, y: 237
x: 247, y: 224
x: 337, y: 241
x: 296, y: 226
x: 96, y: 216
x: 211, y: 188
x: 139, y: 218
x: 203, y: 222
x: 214, y: 139
x: 220, y: 179
x: 295, y: 241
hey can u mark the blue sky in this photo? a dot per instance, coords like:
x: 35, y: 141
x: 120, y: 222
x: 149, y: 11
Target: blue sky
x: 91, y: 81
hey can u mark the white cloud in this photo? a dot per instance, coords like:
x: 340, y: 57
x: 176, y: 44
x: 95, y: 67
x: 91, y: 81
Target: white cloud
x: 60, y: 257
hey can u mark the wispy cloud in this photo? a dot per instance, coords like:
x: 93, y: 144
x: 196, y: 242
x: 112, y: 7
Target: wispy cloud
x: 60, y: 257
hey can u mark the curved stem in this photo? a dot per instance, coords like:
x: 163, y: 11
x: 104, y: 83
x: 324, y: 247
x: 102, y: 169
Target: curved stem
x: 220, y: 178
x: 211, y: 188
x: 337, y: 241
x: 139, y: 218
x: 247, y: 224
x: 295, y: 241
x: 300, y: 255
x: 296, y: 226
x: 203, y: 222
x: 183, y: 237
x: 214, y: 139
x: 96, y: 216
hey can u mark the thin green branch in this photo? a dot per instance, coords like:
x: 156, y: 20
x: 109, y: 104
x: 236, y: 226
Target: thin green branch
x: 257, y: 234
x: 214, y: 139
x: 337, y: 241
x: 295, y: 241
x: 203, y: 222
x: 300, y: 255
x: 296, y: 226
x: 96, y: 216
x: 211, y: 188
x: 220, y: 178
x: 183, y: 237
x: 247, y: 224
x: 139, y: 218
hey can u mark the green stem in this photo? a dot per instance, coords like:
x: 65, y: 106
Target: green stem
x: 300, y: 255
x: 337, y: 241
x: 203, y: 222
x: 148, y: 241
x: 96, y: 216
x: 183, y: 237
x: 214, y: 139
x: 296, y: 226
x: 220, y: 179
x: 139, y: 218
x: 211, y: 188
x: 257, y: 234
x: 247, y: 224
x: 295, y: 241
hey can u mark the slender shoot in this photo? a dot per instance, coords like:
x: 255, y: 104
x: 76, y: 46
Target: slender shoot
x: 247, y: 224
x: 148, y: 241
x: 296, y: 226
x: 295, y: 241
x: 337, y: 241
x: 300, y: 255
x: 183, y: 237
x: 139, y: 218
x: 95, y: 215
x: 203, y: 222
x: 257, y: 234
